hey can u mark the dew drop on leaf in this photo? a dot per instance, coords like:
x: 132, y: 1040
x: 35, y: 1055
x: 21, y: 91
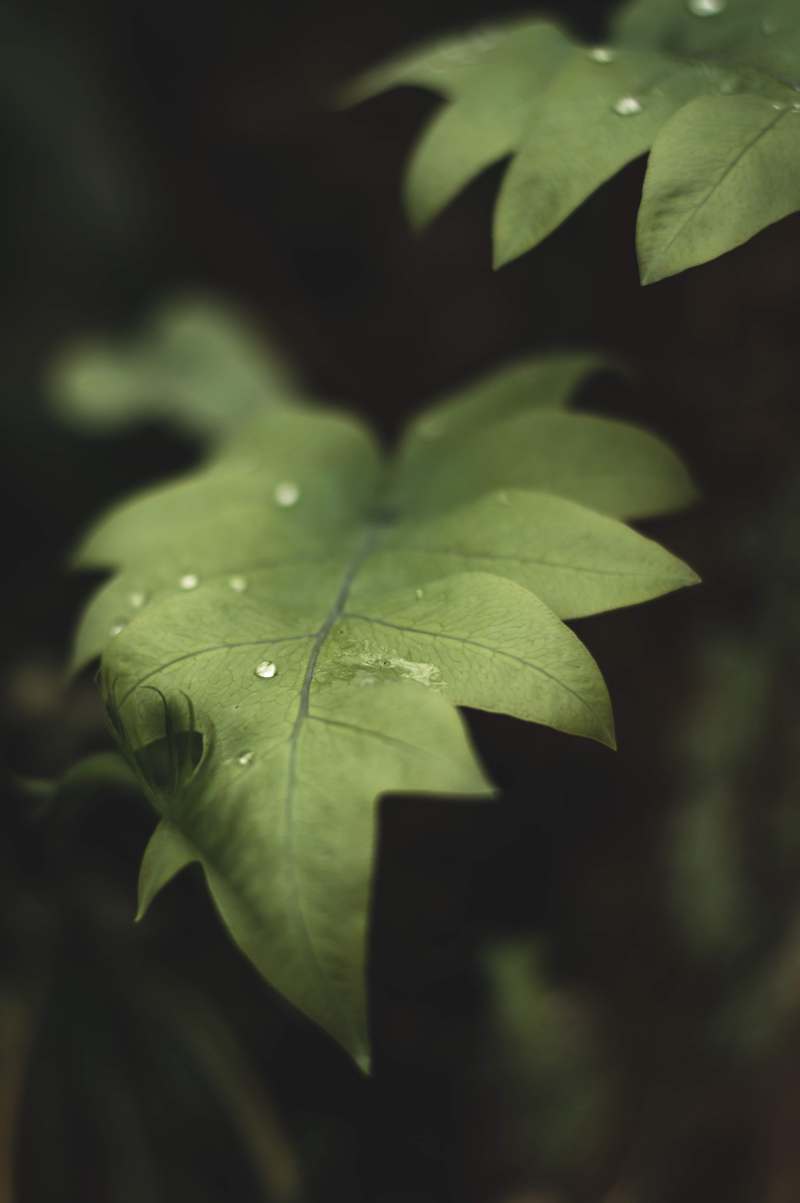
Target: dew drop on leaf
x: 137, y: 599
x: 266, y: 669
x: 769, y: 26
x: 707, y: 8
x: 627, y: 106
x: 419, y: 594
x: 237, y: 583
x: 602, y: 54
x: 287, y: 493
x: 430, y: 429
x: 189, y: 581
x: 244, y: 759
x: 117, y: 629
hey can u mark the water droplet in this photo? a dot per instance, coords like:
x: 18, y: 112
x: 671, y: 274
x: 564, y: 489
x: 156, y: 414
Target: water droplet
x: 117, y: 629
x: 287, y: 493
x: 627, y: 106
x: 137, y: 599
x: 237, y: 583
x: 504, y: 498
x: 796, y: 106
x: 769, y: 26
x: 602, y: 54
x: 189, y: 581
x: 266, y: 670
x: 419, y: 594
x: 431, y: 428
x: 707, y: 8
x: 244, y: 759
x: 778, y: 107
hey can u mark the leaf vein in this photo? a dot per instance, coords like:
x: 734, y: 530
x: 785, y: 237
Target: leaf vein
x: 734, y: 163
x: 496, y: 651
x: 203, y: 651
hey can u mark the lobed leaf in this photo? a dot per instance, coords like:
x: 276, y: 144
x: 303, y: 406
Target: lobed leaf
x: 289, y: 631
x: 709, y: 86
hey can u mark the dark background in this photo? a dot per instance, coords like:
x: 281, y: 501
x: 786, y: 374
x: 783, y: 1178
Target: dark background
x: 650, y: 896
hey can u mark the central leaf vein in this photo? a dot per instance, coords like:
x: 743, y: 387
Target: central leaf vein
x: 362, y: 551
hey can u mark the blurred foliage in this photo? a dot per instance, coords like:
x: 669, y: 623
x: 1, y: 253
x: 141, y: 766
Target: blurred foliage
x: 562, y: 1112
x: 122, y: 1079
x: 196, y: 366
x: 706, y: 87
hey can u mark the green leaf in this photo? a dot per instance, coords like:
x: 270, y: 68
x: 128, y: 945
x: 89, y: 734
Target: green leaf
x: 721, y: 170
x: 196, y: 364
x: 578, y: 562
x: 290, y: 630
x: 694, y: 82
x: 167, y: 852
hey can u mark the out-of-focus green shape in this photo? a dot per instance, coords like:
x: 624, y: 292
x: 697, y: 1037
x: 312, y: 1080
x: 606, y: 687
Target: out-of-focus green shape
x: 551, y: 1058
x: 99, y: 771
x: 289, y: 630
x: 710, y: 87
x: 711, y: 893
x: 197, y: 364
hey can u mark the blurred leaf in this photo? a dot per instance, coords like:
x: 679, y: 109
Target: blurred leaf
x: 547, y: 1045
x: 709, y: 86
x: 100, y: 771
x: 213, y: 1046
x: 315, y: 617
x: 197, y: 365
x: 711, y: 892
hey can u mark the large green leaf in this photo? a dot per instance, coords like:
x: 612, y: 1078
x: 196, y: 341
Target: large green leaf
x: 196, y: 364
x: 710, y: 86
x: 290, y: 630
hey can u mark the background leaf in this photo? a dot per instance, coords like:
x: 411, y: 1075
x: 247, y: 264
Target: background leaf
x: 708, y: 86
x: 197, y: 364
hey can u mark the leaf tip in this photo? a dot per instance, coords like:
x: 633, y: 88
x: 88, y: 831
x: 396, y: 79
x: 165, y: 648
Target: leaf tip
x: 363, y: 1061
x: 502, y: 255
x: 419, y: 212
x: 652, y: 274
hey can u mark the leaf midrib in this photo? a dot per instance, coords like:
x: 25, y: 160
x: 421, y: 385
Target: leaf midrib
x: 499, y: 558
x: 362, y: 551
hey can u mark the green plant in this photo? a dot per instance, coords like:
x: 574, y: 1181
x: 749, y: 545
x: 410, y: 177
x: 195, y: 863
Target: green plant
x: 289, y: 629
x: 709, y: 88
